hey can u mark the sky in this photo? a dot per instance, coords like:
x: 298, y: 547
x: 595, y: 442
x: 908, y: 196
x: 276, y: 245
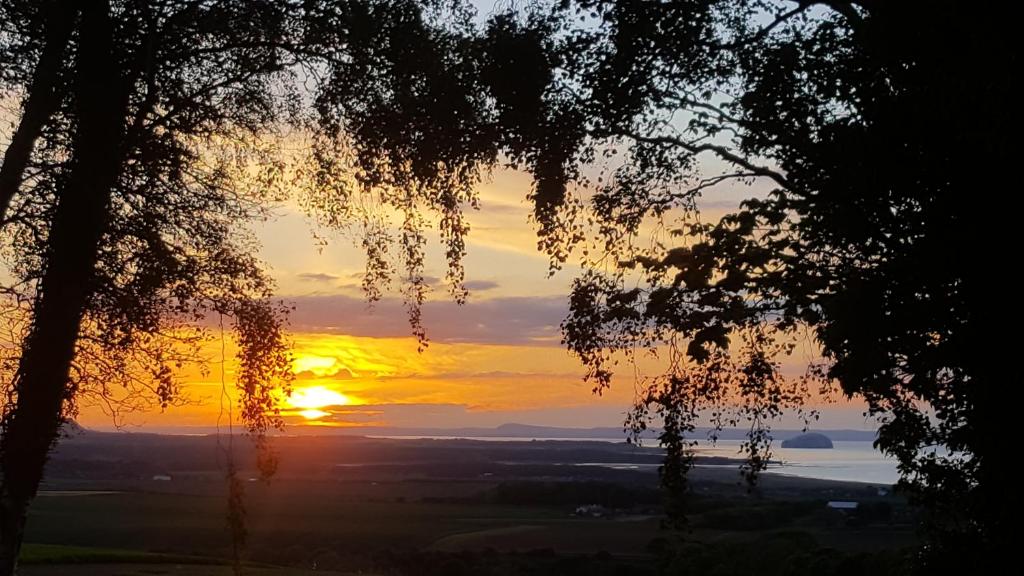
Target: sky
x: 496, y: 359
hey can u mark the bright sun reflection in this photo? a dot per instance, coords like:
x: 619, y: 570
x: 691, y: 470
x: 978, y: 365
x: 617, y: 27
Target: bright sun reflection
x: 310, y: 400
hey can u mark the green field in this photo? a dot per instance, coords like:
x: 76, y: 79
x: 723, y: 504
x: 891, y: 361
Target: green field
x: 305, y: 524
x: 442, y: 508
x: 278, y: 518
x: 50, y: 559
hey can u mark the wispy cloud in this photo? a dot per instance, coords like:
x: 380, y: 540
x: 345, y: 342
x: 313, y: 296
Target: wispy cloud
x: 515, y: 320
x: 318, y: 277
x: 454, y: 415
x: 481, y: 285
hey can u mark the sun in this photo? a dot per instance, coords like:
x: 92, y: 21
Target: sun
x: 311, y: 400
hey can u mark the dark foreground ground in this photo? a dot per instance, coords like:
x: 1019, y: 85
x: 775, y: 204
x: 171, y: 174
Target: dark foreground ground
x: 134, y: 505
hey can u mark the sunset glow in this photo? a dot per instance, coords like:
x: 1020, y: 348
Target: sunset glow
x: 494, y: 360
x: 316, y: 365
x: 313, y: 414
x: 313, y: 398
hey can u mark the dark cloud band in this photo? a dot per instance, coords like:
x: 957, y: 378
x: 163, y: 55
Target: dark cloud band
x: 519, y: 320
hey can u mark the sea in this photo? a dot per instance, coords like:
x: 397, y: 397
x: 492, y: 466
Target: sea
x: 847, y: 461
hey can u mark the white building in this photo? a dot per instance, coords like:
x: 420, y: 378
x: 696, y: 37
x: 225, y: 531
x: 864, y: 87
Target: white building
x: 843, y: 505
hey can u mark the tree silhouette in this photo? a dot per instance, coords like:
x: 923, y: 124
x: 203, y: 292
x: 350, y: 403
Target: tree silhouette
x: 162, y: 130
x: 867, y: 124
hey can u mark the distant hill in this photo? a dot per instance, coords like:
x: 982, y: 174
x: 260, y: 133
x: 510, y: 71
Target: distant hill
x: 514, y: 430
x: 520, y: 431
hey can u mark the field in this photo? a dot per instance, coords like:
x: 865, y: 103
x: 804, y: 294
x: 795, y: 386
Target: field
x: 47, y: 559
x: 439, y: 513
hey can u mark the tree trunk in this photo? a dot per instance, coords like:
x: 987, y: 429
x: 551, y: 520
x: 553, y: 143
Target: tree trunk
x: 41, y: 386
x: 41, y: 102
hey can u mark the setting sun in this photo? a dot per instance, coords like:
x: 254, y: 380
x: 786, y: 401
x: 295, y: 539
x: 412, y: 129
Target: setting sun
x: 314, y: 397
x: 311, y: 401
x: 313, y: 414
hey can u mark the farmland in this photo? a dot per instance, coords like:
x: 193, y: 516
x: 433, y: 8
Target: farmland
x: 415, y: 507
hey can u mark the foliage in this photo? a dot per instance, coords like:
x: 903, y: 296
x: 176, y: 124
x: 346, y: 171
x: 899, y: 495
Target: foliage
x: 382, y: 92
x: 862, y: 124
x: 173, y: 250
x: 200, y: 100
x: 777, y: 553
x: 572, y: 494
x: 863, y: 127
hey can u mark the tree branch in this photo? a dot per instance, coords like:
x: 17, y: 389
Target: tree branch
x: 720, y: 151
x: 40, y: 104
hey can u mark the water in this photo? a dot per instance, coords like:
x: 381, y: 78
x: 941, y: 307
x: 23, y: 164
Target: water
x: 509, y: 439
x: 846, y: 461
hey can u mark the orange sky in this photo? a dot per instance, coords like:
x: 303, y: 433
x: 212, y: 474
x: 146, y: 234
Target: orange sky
x: 497, y: 359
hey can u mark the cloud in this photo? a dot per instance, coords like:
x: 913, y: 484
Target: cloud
x: 481, y: 285
x: 502, y: 375
x: 454, y: 415
x: 318, y: 277
x: 599, y: 412
x: 339, y: 374
x: 514, y: 320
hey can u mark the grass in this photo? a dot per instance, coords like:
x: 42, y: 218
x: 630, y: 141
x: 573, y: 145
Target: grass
x: 194, y: 525
x: 160, y: 570
x: 32, y: 553
x: 52, y: 560
x: 339, y: 526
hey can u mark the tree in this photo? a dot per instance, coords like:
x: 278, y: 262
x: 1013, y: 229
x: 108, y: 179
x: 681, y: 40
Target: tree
x: 870, y: 122
x: 56, y: 21
x: 845, y: 109
x: 157, y: 137
x: 103, y: 246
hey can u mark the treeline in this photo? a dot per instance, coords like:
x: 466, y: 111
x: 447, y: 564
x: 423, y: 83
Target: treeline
x: 573, y: 494
x: 783, y: 553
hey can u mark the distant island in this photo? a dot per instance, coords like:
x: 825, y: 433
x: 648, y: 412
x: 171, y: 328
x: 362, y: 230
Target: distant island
x: 808, y: 440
